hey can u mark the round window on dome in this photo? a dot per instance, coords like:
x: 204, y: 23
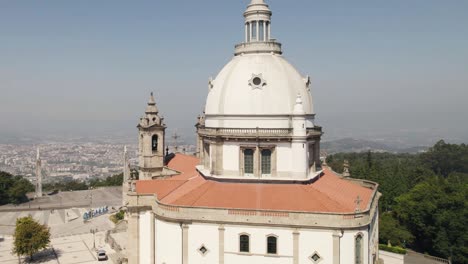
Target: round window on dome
x: 257, y: 81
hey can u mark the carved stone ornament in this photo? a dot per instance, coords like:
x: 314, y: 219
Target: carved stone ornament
x: 257, y: 81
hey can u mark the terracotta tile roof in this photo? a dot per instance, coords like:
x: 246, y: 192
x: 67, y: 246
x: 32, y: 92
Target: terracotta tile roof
x: 330, y: 193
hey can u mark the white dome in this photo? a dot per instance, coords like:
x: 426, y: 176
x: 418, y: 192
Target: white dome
x: 236, y: 91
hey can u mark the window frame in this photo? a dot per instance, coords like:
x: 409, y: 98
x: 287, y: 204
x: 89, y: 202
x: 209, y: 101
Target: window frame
x: 252, y: 172
x: 276, y: 244
x: 270, y: 161
x: 153, y: 147
x: 248, y: 242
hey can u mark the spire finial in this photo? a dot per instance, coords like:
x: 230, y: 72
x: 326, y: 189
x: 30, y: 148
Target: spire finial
x: 38, y: 155
x: 151, y: 100
x: 257, y: 2
x: 151, y: 108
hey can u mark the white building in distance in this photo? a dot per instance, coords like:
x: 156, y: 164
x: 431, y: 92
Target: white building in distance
x: 256, y: 192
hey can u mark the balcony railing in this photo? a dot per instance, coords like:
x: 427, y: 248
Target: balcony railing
x: 255, y: 132
x: 246, y: 132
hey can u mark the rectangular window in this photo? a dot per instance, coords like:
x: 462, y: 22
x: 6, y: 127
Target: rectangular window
x: 254, y: 30
x: 248, y: 161
x: 248, y: 32
x: 261, y: 30
x: 266, y: 161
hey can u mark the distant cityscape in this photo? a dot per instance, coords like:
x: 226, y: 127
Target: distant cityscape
x: 66, y: 161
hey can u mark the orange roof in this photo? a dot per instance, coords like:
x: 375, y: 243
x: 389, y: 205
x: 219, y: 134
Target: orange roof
x: 329, y: 193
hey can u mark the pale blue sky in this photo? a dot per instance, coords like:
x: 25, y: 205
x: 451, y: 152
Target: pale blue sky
x: 379, y: 68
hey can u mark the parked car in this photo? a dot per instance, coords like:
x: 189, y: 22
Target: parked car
x: 101, y: 255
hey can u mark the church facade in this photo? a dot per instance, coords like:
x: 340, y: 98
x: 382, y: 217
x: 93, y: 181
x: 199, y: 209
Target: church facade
x: 257, y: 191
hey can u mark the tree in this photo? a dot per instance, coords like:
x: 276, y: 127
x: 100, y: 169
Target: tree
x: 435, y: 212
x: 13, y: 189
x: 391, y: 231
x: 19, y: 189
x: 30, y: 237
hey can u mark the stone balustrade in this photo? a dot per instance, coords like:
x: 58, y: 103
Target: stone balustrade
x: 255, y: 132
x: 257, y: 47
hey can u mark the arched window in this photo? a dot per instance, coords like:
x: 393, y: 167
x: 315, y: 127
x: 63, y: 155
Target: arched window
x: 248, y: 161
x: 358, y: 249
x: 272, y: 245
x: 244, y: 243
x: 154, y: 143
x: 266, y: 161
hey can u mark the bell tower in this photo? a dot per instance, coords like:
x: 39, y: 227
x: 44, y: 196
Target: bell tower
x: 151, y: 132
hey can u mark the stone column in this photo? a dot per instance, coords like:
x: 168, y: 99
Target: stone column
x: 219, y: 158
x: 133, y: 232
x: 185, y: 228
x: 336, y: 247
x: 221, y: 244
x: 264, y: 30
x: 269, y: 31
x: 296, y: 246
x: 246, y: 32
x: 258, y: 28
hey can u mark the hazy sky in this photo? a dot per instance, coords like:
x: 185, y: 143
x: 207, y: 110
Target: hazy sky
x: 379, y: 68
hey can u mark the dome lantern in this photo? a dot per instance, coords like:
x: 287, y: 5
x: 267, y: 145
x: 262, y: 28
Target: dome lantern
x: 258, y: 30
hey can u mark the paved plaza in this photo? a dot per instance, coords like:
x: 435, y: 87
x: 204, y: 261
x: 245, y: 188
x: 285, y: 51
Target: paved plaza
x: 63, y: 250
x: 71, y: 239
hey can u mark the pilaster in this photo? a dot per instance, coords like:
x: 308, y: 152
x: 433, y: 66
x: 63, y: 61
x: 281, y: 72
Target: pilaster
x: 133, y: 232
x: 152, y: 237
x: 296, y: 246
x: 185, y: 228
x: 221, y: 244
x: 336, y: 247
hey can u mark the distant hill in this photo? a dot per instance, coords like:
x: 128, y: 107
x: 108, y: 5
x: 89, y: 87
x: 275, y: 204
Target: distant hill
x: 360, y: 145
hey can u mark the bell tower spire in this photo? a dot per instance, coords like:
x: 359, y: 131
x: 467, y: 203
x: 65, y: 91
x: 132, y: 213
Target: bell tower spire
x: 151, y: 130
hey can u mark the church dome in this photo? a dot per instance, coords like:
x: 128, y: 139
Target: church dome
x: 258, y: 84
x: 258, y: 81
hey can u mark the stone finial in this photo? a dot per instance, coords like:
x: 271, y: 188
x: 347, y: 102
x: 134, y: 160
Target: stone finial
x: 257, y: 2
x: 346, y: 173
x: 151, y: 108
x: 38, y: 155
